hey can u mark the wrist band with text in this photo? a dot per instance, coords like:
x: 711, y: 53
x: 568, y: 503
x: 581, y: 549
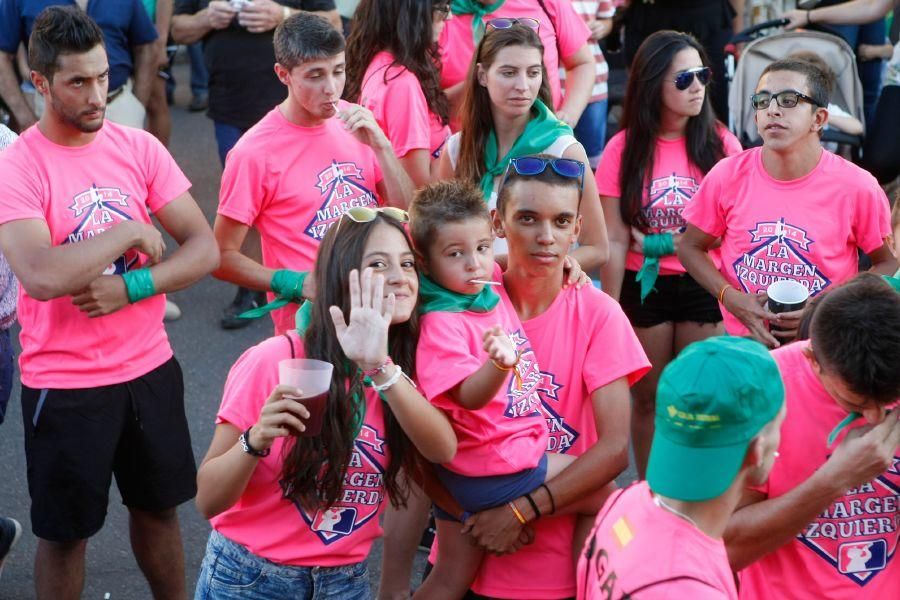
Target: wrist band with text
x: 139, y: 285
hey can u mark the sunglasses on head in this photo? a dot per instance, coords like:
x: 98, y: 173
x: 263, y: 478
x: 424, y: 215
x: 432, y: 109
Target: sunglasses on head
x: 509, y: 23
x: 684, y: 79
x: 366, y: 214
x: 534, y: 165
x: 785, y: 99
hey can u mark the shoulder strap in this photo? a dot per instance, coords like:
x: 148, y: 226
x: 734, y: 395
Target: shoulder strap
x: 291, y: 342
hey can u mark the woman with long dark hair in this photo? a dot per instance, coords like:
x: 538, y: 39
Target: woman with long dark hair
x: 294, y: 514
x: 505, y: 114
x: 393, y: 69
x: 649, y: 171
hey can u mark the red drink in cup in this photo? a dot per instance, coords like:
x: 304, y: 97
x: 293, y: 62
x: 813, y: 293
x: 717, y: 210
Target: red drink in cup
x: 313, y: 378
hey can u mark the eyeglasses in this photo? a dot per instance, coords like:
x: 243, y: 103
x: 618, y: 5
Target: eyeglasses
x: 535, y: 165
x: 442, y: 9
x: 685, y: 79
x: 785, y: 99
x: 509, y: 23
x: 365, y: 214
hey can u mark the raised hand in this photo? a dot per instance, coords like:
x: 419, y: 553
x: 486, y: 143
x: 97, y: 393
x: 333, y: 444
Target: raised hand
x: 282, y: 415
x: 499, y: 347
x: 365, y: 339
x: 360, y: 121
x: 865, y: 453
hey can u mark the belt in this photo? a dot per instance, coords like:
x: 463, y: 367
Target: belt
x: 110, y: 96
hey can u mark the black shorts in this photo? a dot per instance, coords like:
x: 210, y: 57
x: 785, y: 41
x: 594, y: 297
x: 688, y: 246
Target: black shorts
x: 76, y: 439
x: 675, y: 299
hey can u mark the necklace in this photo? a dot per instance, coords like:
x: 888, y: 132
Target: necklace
x: 660, y: 503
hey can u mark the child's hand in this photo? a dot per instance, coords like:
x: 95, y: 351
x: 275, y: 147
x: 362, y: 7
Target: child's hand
x: 499, y: 347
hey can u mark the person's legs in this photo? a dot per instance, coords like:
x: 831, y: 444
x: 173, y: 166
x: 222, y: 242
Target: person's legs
x: 591, y: 130
x: 226, y: 137
x: 10, y: 532
x: 456, y: 567
x: 687, y: 333
x: 59, y: 570
x: 199, y: 78
x: 657, y: 342
x: 157, y: 547
x: 402, y: 529
x: 880, y: 155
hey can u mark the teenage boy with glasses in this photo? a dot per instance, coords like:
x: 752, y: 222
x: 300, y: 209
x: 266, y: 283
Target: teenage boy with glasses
x: 787, y: 210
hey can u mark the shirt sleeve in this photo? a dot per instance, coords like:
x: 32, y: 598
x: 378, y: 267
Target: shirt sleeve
x: 406, y: 114
x: 245, y: 186
x: 141, y: 30
x: 250, y: 381
x: 611, y: 329
x: 443, y: 359
x: 872, y: 216
x: 571, y: 31
x: 165, y: 179
x: 20, y: 192
x: 607, y: 174
x: 704, y: 211
x: 12, y: 30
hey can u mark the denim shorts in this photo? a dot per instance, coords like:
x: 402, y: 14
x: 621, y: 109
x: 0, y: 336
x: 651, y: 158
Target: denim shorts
x: 231, y: 572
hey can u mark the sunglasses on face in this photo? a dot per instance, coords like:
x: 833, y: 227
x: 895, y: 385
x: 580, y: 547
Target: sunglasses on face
x: 365, y: 214
x: 685, y: 79
x: 785, y: 99
x: 509, y: 23
x: 533, y: 165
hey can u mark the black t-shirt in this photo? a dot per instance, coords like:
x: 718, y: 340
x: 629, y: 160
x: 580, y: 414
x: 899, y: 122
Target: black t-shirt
x: 242, y: 82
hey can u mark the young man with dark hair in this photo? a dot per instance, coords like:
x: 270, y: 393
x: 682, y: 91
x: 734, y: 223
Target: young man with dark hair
x: 331, y: 156
x: 787, y: 210
x: 825, y: 524
x: 102, y: 393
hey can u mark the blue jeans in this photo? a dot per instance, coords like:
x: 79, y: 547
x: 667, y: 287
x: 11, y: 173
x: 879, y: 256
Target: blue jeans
x: 231, y: 572
x: 6, y: 371
x: 226, y: 137
x: 199, y: 74
x: 869, y: 70
x: 591, y: 129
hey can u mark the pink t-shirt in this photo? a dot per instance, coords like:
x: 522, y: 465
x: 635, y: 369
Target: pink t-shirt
x: 458, y: 46
x: 640, y: 550
x: 673, y: 183
x: 848, y: 551
x: 400, y: 108
x: 124, y: 174
x: 280, y: 530
x: 575, y: 361
x: 807, y: 230
x: 507, y: 435
x: 293, y: 195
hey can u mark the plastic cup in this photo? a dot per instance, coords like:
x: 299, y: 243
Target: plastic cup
x: 313, y: 377
x: 786, y: 295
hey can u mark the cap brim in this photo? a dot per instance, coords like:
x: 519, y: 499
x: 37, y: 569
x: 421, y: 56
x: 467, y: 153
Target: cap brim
x: 690, y: 473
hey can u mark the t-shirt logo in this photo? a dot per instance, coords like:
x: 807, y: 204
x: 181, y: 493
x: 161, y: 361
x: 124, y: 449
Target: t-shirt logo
x: 668, y: 196
x: 858, y: 533
x: 524, y: 401
x: 96, y: 210
x: 341, y: 187
x: 782, y: 253
x: 361, y: 495
x: 561, y: 436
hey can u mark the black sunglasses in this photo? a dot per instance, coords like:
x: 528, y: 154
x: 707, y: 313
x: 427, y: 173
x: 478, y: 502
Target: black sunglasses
x: 684, y: 79
x: 508, y: 23
x: 785, y: 99
x: 534, y: 165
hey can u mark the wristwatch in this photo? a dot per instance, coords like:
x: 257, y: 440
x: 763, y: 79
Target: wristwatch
x: 246, y: 447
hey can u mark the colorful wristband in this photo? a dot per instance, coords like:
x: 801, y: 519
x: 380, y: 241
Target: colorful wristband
x: 139, y: 285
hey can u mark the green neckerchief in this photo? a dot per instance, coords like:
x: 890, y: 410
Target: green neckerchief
x: 477, y: 10
x: 302, y: 320
x: 655, y: 246
x: 435, y: 298
x: 542, y: 130
x: 840, y: 426
x: 894, y: 281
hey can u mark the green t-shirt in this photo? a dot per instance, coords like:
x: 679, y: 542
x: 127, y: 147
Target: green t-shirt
x: 150, y: 5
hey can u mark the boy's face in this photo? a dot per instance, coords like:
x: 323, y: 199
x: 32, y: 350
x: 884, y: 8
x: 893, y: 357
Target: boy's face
x: 315, y: 86
x: 540, y: 223
x: 783, y: 128
x: 846, y: 398
x: 77, y: 92
x: 460, y: 252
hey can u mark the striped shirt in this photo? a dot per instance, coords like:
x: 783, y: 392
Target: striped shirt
x: 590, y: 11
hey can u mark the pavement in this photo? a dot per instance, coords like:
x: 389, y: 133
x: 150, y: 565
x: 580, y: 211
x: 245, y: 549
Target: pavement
x: 205, y: 351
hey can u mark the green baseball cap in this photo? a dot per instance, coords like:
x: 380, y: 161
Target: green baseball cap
x: 711, y: 401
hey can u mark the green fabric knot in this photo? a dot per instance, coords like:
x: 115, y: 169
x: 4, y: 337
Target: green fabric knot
x: 435, y: 298
x: 894, y: 281
x: 656, y: 245
x: 840, y: 427
x: 542, y: 130
x: 478, y: 11
x: 288, y: 287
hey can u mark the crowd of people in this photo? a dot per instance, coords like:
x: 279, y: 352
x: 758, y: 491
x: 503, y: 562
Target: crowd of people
x: 509, y: 304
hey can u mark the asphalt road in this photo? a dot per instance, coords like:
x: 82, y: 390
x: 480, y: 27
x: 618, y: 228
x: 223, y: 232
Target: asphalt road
x: 205, y: 351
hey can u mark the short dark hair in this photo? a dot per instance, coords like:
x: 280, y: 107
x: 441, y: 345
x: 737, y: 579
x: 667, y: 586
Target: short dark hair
x: 855, y: 334
x: 819, y: 82
x: 451, y: 201
x: 549, y: 176
x: 60, y: 30
x: 304, y: 37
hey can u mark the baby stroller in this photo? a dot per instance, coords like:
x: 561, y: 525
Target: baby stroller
x: 760, y: 52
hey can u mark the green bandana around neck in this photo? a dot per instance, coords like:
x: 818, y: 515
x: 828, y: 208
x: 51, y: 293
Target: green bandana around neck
x: 435, y: 298
x: 656, y: 245
x: 542, y: 130
x: 478, y: 11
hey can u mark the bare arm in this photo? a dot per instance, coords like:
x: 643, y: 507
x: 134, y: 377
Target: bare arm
x: 480, y: 387
x: 396, y: 189
x: 581, y: 71
x: 426, y: 426
x: 419, y: 166
x: 234, y: 266
x: 146, y: 64
x: 445, y: 167
x: 187, y: 29
x: 883, y: 261
x: 847, y: 124
x: 12, y: 94
x: 737, y: 24
x: 613, y: 272
x: 593, y: 245
x: 857, y: 12
x: 454, y: 97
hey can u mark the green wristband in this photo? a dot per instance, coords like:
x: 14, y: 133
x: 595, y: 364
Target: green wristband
x: 288, y: 284
x: 139, y: 285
